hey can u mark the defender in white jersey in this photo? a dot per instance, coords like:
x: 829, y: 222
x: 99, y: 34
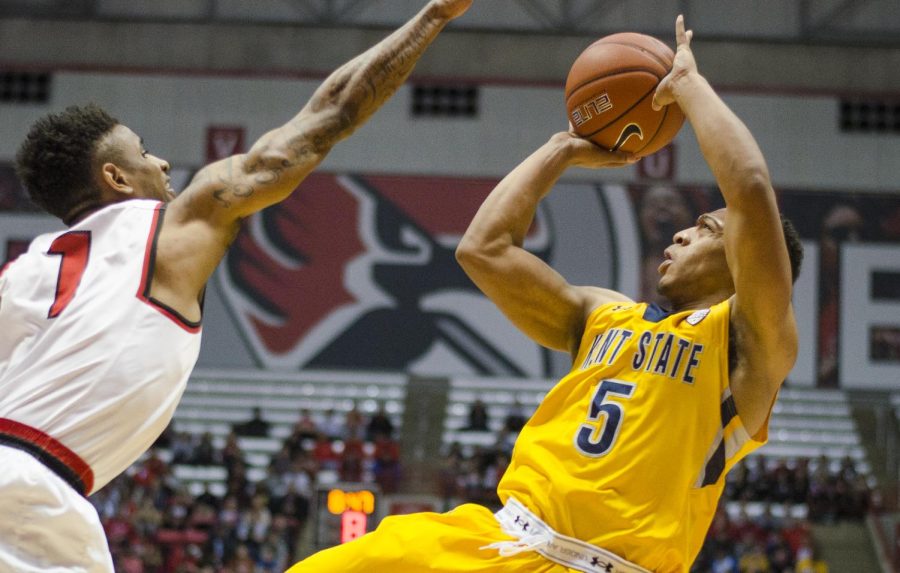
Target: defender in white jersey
x: 55, y: 341
x: 100, y: 324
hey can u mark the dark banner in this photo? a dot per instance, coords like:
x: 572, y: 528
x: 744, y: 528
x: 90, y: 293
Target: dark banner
x: 358, y: 272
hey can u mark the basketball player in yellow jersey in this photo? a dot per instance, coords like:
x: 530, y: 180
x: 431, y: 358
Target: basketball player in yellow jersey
x: 621, y: 467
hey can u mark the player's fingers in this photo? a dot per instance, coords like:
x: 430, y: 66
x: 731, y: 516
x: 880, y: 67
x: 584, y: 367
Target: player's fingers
x: 620, y: 163
x: 688, y: 36
x: 600, y: 156
x: 679, y: 30
x: 618, y: 158
x: 657, y: 102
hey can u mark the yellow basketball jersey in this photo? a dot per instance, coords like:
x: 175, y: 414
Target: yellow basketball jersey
x: 629, y: 451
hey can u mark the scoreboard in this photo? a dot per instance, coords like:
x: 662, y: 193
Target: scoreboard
x: 344, y: 512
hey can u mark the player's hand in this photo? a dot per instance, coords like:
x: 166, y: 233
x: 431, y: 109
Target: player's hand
x: 451, y: 9
x: 683, y: 65
x: 583, y: 153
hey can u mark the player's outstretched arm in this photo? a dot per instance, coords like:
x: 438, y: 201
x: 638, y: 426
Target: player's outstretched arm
x: 201, y: 222
x: 235, y: 187
x: 762, y: 316
x: 536, y: 298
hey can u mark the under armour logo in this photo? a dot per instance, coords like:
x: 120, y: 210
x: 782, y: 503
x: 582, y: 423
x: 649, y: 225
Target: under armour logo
x: 595, y: 562
x: 524, y: 524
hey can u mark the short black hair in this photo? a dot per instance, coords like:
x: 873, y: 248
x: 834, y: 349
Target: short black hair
x: 794, y: 247
x: 56, y: 159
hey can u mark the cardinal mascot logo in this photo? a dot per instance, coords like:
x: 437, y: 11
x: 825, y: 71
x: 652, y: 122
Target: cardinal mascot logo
x: 353, y: 272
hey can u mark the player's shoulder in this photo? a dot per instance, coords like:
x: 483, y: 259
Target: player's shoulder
x: 122, y: 215
x: 119, y: 207
x: 721, y: 311
x: 593, y: 297
x: 117, y: 218
x: 32, y: 255
x: 715, y: 316
x: 598, y: 301
x: 627, y: 309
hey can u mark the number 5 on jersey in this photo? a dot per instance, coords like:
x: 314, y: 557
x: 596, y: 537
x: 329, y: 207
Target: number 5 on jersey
x: 585, y: 439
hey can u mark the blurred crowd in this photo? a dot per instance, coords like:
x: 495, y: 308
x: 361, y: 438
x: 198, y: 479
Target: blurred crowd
x: 759, y: 544
x: 831, y: 491
x: 155, y: 524
x: 471, y: 474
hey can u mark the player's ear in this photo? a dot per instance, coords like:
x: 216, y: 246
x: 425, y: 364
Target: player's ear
x: 114, y: 179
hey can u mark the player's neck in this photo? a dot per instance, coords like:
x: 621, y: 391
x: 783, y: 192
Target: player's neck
x: 87, y: 209
x: 81, y: 212
x: 700, y: 302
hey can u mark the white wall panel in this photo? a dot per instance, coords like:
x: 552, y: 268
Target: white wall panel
x: 799, y: 135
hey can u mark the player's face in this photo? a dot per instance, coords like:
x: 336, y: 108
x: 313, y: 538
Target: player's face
x: 148, y: 175
x: 695, y: 266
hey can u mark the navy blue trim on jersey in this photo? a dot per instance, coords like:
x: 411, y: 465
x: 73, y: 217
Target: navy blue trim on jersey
x: 729, y: 410
x: 715, y: 466
x: 656, y: 313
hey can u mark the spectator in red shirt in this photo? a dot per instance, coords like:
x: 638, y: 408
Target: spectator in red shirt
x: 351, y: 468
x: 324, y: 454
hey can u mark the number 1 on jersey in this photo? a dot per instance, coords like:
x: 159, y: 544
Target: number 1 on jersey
x: 74, y: 248
x: 584, y: 438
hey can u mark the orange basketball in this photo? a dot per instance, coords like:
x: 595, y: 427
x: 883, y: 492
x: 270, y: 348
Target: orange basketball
x: 610, y: 89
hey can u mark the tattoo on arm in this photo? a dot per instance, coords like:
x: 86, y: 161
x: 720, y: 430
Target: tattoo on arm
x: 357, y: 89
x: 227, y: 187
x: 342, y: 103
x: 230, y: 191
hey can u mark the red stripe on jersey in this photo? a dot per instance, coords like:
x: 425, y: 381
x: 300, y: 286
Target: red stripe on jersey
x: 143, y: 292
x: 41, y: 443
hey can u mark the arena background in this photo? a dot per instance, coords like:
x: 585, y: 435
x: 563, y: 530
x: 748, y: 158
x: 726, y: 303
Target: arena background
x: 374, y: 287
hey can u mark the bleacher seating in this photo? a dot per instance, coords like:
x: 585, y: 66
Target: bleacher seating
x: 499, y: 395
x: 216, y: 400
x: 806, y: 423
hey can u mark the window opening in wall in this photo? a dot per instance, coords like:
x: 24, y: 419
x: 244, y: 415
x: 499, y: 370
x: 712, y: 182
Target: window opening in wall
x: 24, y: 87
x: 870, y: 116
x: 439, y: 100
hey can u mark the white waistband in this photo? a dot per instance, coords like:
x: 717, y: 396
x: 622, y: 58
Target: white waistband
x: 535, y: 535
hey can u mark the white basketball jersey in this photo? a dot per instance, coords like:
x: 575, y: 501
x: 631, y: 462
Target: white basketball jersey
x: 91, y: 367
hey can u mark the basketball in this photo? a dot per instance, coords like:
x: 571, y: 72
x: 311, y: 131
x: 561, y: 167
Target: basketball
x: 609, y: 92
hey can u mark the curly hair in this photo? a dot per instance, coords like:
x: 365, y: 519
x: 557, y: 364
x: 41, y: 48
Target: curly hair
x: 794, y: 247
x: 55, y: 161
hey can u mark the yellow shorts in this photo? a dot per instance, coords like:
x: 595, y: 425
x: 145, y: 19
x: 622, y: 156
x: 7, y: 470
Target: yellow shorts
x: 449, y: 542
